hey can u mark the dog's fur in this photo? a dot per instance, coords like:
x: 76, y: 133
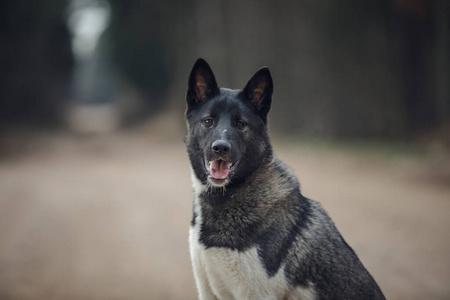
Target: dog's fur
x: 253, y: 234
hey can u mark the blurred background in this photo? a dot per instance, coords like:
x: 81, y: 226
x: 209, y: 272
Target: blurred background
x: 95, y: 195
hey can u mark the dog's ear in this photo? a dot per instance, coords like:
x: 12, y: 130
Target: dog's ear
x: 258, y: 91
x: 202, y: 84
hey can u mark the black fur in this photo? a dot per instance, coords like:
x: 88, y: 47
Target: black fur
x: 260, y: 204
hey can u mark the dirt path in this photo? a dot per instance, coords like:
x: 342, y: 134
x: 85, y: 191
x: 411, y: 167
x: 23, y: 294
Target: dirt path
x: 107, y: 218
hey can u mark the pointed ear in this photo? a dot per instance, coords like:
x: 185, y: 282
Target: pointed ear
x: 258, y: 91
x: 202, y: 84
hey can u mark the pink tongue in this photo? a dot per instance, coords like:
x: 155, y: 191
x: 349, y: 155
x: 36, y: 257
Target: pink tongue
x: 220, y: 169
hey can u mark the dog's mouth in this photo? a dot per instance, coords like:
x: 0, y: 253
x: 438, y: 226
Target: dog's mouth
x: 220, y: 170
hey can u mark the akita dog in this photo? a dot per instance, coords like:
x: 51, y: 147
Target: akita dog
x: 253, y: 234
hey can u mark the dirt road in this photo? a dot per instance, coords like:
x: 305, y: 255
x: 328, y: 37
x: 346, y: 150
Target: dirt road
x: 107, y: 218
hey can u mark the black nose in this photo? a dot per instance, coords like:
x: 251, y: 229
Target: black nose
x: 221, y: 147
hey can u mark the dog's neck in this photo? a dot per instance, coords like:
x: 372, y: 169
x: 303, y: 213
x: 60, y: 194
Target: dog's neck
x: 235, y: 217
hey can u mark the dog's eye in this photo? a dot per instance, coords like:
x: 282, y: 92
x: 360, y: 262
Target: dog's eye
x: 208, y: 122
x: 240, y: 124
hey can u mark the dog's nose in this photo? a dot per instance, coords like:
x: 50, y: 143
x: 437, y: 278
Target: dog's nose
x: 221, y: 147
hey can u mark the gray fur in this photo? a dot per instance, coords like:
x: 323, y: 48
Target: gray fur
x: 261, y: 208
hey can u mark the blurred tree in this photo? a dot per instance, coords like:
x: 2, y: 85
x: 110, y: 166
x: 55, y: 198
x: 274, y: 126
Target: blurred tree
x: 141, y: 46
x: 35, y: 60
x: 416, y: 34
x: 343, y: 69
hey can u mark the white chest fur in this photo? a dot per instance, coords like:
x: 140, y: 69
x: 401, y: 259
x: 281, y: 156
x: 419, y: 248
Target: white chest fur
x: 230, y: 274
x: 222, y: 273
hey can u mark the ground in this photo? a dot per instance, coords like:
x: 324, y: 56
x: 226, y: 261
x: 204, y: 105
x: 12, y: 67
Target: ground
x: 107, y: 217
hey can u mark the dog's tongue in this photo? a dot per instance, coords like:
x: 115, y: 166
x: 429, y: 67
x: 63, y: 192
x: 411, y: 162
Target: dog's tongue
x: 220, y: 169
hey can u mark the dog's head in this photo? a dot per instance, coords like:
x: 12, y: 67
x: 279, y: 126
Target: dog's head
x: 227, y: 133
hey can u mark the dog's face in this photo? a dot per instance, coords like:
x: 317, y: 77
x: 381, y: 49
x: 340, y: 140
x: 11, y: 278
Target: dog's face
x: 227, y: 133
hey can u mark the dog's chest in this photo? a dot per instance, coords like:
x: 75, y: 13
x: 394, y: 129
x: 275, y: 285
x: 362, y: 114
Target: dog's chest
x: 234, y: 274
x: 223, y: 273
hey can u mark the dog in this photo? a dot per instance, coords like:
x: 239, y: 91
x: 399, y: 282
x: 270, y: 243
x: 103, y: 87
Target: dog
x: 253, y: 234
